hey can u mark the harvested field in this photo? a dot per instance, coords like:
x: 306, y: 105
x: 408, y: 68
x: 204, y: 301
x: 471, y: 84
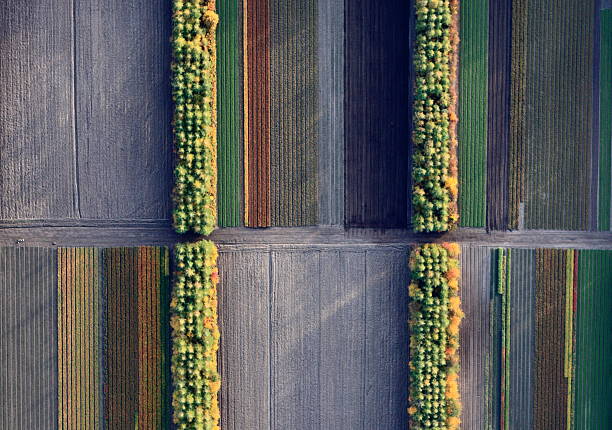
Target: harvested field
x: 28, y: 339
x: 473, y: 100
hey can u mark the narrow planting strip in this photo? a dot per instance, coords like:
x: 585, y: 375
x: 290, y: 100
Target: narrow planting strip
x: 257, y: 132
x: 498, y: 126
x: 78, y: 329
x: 230, y: 128
x: 518, y: 76
x: 473, y: 105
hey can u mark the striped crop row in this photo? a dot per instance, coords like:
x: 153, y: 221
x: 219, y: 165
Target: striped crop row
x: 195, y: 118
x: 435, y: 183
x: 435, y: 316
x: 195, y: 337
x: 111, y: 343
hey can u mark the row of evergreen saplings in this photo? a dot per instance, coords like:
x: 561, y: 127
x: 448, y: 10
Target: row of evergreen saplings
x: 194, y: 79
x: 435, y: 316
x: 434, y: 172
x: 195, y: 337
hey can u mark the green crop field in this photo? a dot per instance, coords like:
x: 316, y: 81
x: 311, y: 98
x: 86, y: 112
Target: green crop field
x: 593, y: 341
x: 229, y: 129
x: 472, y: 126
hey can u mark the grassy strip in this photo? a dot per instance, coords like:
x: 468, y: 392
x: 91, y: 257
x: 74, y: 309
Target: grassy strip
x: 195, y: 116
x: 229, y: 133
x: 517, y: 111
x: 435, y: 184
x: 195, y: 337
x: 435, y: 316
x: 605, y: 125
x: 472, y: 105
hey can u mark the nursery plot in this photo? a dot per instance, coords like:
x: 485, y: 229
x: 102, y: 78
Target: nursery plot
x: 558, y: 112
x: 473, y: 100
x: 112, y: 341
x: 270, y: 112
x: 548, y: 348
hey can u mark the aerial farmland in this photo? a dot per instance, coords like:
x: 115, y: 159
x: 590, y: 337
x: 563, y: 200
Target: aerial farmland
x: 314, y: 214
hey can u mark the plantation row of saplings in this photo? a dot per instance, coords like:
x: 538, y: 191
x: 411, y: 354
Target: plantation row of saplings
x: 435, y: 307
x: 435, y: 312
x: 193, y: 307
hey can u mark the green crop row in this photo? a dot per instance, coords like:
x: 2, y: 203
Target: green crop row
x: 435, y: 316
x: 503, y: 288
x: 195, y: 118
x: 434, y: 171
x: 195, y: 337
